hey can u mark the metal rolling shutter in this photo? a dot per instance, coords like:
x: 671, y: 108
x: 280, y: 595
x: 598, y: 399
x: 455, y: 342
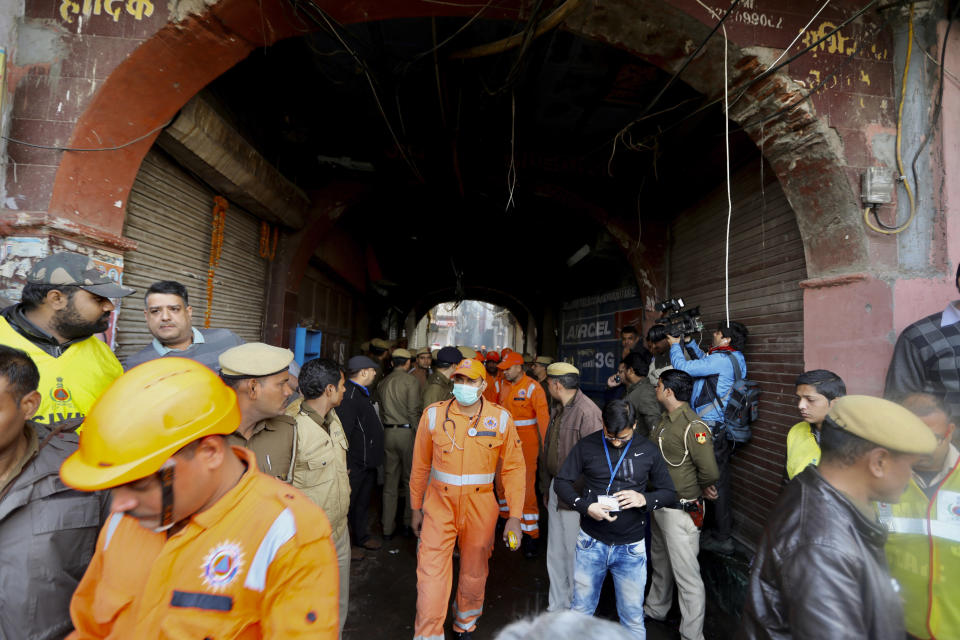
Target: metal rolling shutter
x: 169, y: 214
x: 766, y: 265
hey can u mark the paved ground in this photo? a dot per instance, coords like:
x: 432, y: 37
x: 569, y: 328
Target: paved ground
x: 383, y: 596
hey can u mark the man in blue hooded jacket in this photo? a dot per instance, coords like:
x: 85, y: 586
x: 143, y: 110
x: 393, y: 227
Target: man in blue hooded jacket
x: 713, y: 378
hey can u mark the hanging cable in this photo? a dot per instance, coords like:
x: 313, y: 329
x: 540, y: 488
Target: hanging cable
x: 882, y: 228
x: 726, y: 131
x: 115, y: 148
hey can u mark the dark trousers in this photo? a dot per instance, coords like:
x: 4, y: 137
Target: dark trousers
x: 722, y: 511
x: 362, y: 482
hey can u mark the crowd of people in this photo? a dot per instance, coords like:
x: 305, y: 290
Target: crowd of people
x: 208, y: 487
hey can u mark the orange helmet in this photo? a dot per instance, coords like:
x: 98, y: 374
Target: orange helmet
x: 146, y: 416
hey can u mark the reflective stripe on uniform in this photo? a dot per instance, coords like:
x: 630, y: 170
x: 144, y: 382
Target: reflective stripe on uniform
x: 280, y: 532
x: 467, y: 617
x: 432, y: 418
x: 428, y: 637
x: 112, y: 525
x: 530, y: 389
x: 917, y: 526
x: 503, y: 420
x: 462, y: 480
x: 529, y: 527
x: 525, y: 423
x: 503, y: 504
x: 531, y: 516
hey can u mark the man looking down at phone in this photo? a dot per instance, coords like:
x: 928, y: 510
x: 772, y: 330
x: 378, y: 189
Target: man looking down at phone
x: 624, y: 479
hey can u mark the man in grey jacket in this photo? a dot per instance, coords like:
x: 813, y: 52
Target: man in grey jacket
x: 572, y: 416
x: 48, y: 532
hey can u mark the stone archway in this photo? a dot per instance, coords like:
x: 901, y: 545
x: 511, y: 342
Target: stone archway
x: 180, y: 59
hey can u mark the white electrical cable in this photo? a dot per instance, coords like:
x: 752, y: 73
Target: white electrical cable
x: 800, y: 33
x: 726, y: 139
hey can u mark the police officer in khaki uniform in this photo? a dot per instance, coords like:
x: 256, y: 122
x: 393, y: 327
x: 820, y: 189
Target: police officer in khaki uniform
x: 686, y: 444
x: 421, y: 370
x: 439, y: 384
x: 539, y: 373
x: 400, y: 411
x: 258, y: 373
x: 320, y: 470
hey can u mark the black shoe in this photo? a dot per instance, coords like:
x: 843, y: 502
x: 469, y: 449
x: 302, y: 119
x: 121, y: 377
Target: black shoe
x: 463, y: 635
x: 529, y: 547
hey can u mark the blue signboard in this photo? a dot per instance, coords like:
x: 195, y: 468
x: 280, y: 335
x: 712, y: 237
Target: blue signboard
x: 590, y: 338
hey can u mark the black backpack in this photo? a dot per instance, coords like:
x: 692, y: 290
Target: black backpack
x: 743, y: 404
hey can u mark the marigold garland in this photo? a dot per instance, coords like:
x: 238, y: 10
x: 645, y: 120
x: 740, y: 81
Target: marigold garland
x: 266, y: 251
x: 220, y: 206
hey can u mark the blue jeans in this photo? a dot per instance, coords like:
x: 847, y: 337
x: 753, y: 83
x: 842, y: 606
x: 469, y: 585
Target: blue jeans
x: 628, y: 565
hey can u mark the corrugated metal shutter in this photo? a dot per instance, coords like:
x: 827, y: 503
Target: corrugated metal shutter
x: 766, y: 265
x: 169, y: 214
x: 328, y: 306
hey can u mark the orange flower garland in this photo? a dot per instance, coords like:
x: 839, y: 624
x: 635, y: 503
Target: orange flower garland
x: 266, y: 251
x: 220, y: 206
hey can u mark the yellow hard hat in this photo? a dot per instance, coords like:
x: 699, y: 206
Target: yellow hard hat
x: 146, y: 416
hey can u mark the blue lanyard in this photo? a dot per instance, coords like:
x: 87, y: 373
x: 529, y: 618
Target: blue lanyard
x: 614, y: 469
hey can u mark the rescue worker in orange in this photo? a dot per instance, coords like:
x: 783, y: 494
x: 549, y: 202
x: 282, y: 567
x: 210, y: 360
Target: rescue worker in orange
x: 492, y: 391
x: 459, y: 444
x: 200, y: 543
x: 524, y: 398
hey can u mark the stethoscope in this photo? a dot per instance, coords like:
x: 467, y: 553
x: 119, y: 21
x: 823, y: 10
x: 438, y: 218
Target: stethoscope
x: 472, y: 431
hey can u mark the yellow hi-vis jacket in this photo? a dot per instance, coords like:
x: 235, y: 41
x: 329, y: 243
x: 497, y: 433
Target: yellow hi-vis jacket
x: 925, y: 533
x: 70, y: 384
x: 802, y: 448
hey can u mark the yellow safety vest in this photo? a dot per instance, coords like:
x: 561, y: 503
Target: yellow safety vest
x: 802, y: 449
x: 921, y: 530
x: 70, y: 384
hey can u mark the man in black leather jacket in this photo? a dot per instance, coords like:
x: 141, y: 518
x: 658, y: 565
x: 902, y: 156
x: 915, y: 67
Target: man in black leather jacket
x: 820, y: 571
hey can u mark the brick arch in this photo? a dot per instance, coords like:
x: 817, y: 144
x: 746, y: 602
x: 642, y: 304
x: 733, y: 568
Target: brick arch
x: 148, y: 88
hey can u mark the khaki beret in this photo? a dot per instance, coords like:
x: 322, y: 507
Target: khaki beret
x: 562, y: 369
x: 883, y: 423
x: 402, y: 353
x: 544, y: 360
x: 379, y: 343
x: 254, y: 360
x: 433, y: 354
x: 423, y: 350
x: 468, y: 353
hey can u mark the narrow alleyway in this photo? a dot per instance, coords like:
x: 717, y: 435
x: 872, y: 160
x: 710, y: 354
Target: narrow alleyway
x: 383, y: 595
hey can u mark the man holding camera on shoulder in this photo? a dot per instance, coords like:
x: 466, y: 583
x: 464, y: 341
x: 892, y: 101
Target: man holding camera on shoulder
x: 713, y: 374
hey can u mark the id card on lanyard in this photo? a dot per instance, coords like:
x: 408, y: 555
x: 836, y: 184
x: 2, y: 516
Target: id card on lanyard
x: 608, y: 500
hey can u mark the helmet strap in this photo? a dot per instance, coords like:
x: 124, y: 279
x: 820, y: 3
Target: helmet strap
x: 166, y: 488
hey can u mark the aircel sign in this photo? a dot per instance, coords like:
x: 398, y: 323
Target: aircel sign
x: 589, y: 331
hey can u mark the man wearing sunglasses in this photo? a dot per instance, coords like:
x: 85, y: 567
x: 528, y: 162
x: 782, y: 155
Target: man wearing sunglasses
x: 624, y: 479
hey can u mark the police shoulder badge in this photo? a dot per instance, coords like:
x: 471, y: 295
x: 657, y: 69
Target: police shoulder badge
x: 222, y: 565
x: 701, y: 437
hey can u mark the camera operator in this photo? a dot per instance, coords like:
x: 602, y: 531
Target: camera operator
x: 713, y: 377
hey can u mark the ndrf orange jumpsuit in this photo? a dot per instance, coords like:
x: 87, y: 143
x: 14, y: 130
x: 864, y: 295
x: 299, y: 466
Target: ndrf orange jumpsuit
x: 455, y: 459
x: 492, y: 392
x: 259, y: 563
x: 527, y: 404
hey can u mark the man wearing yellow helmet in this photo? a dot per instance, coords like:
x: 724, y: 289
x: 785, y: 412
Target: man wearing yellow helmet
x: 200, y: 543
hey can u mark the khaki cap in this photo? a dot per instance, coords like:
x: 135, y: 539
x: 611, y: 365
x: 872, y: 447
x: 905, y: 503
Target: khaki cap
x: 883, y: 423
x: 365, y: 346
x: 380, y: 343
x: 544, y: 360
x: 527, y: 358
x: 402, y: 353
x: 468, y: 353
x: 562, y: 369
x: 423, y: 350
x: 254, y: 360
x: 433, y: 354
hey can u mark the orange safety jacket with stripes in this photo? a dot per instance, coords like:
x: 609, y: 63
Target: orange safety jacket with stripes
x: 259, y: 563
x: 464, y: 451
x: 527, y: 403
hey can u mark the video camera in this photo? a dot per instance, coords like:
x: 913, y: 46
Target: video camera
x: 679, y: 323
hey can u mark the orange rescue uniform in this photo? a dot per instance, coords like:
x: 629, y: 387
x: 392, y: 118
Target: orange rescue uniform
x: 455, y: 459
x: 527, y: 403
x: 492, y: 392
x: 259, y: 563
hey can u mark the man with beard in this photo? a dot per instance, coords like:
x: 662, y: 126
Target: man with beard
x: 65, y: 302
